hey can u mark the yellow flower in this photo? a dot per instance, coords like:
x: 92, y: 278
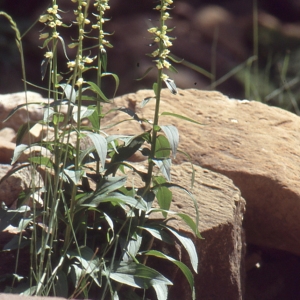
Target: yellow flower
x: 164, y: 77
x: 79, y: 82
x: 71, y: 64
x: 55, y: 34
x: 155, y: 53
x: 166, y: 16
x: 152, y: 30
x: 88, y: 60
x: 43, y: 18
x: 166, y: 64
x: 44, y: 35
x: 48, y: 54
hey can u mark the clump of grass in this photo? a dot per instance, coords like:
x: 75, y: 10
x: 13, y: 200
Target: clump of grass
x: 90, y: 238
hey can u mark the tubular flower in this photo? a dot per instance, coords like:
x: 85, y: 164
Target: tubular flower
x: 101, y: 6
x: 160, y: 36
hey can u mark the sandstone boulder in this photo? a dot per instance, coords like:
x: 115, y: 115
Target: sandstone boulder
x: 221, y: 252
x: 221, y: 212
x: 253, y: 144
x: 11, y: 185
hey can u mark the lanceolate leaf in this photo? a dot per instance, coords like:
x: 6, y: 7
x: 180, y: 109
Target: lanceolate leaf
x: 116, y: 78
x: 185, y: 270
x: 158, y: 233
x: 161, y: 291
x: 173, y: 136
x: 42, y: 161
x: 131, y: 113
x: 145, y: 74
x: 69, y: 92
x: 137, y: 275
x: 94, y: 87
x: 165, y: 167
x: 101, y: 146
x: 180, y: 117
x: 75, y: 176
x: 163, y: 195
x: 110, y: 184
x: 20, y: 106
x: 23, y: 130
x: 84, y: 113
x: 188, y: 244
x: 146, y: 100
x: 116, y: 198
x: 162, y: 147
x: 174, y: 185
x: 18, y: 152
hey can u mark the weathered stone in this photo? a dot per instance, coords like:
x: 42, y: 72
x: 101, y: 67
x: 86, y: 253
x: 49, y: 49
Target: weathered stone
x: 221, y: 252
x: 253, y: 144
x: 9, y: 102
x: 17, y: 182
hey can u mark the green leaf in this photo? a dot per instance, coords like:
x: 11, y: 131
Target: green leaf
x: 130, y: 247
x: 84, y: 113
x: 74, y: 176
x: 69, y: 92
x: 61, y: 284
x: 94, y: 118
x: 109, y: 184
x: 154, y: 87
x: 116, y: 198
x: 145, y: 74
x: 161, y: 291
x: 180, y: 117
x: 163, y: 194
x: 16, y: 243
x: 57, y: 118
x: 189, y: 246
x: 13, y: 111
x: 18, y: 152
x: 100, y: 144
x: 164, y: 198
x: 94, y: 87
x: 194, y: 226
x: 103, y: 59
x: 12, y: 217
x: 146, y: 100
x: 76, y: 274
x: 158, y: 233
x: 23, y: 130
x: 185, y: 270
x: 162, y: 147
x: 165, y: 167
x: 171, y: 84
x: 173, y: 137
x: 137, y: 275
x: 48, y: 112
x: 88, y: 261
x: 175, y: 60
x: 131, y: 113
x: 116, y: 78
x: 44, y: 65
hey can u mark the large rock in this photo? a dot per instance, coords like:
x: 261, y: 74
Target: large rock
x: 9, y: 102
x: 221, y: 212
x: 13, y: 182
x: 221, y: 252
x: 255, y: 145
